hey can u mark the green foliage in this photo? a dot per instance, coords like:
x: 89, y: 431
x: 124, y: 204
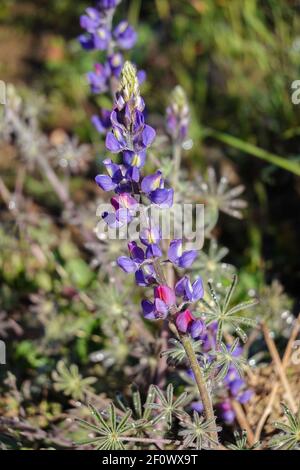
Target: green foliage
x: 70, y: 381
x: 221, y: 312
x: 225, y: 358
x: 197, y: 433
x: 241, y: 442
x: 167, y: 406
x: 108, y: 432
x: 289, y: 438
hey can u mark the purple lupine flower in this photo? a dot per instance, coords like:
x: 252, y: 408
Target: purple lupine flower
x: 227, y: 412
x: 132, y: 264
x: 125, y: 207
x: 187, y: 323
x: 190, y: 292
x: 91, y: 20
x: 100, y: 34
x: 129, y: 131
x: 237, y: 386
x: 102, y: 37
x: 116, y: 62
x: 125, y: 35
x: 197, y: 406
x: 150, y: 235
x: 166, y: 294
x: 133, y: 162
x: 135, y: 159
x: 102, y: 121
x: 98, y: 79
x: 178, y: 115
x: 110, y: 181
x: 86, y: 41
x: 153, y: 187
x: 164, y: 298
x: 178, y: 257
x: 145, y: 275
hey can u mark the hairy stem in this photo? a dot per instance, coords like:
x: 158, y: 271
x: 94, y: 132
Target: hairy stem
x: 186, y: 342
x: 200, y: 381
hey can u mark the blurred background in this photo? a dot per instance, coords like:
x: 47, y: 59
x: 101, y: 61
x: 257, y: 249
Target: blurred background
x: 236, y: 61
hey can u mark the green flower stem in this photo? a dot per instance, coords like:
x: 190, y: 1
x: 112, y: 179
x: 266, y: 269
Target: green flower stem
x: 186, y: 342
x: 203, y: 392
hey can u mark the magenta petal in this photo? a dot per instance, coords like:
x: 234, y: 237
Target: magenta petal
x: 166, y: 294
x: 183, y: 320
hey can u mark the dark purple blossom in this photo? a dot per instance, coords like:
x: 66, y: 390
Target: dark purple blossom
x: 87, y: 42
x: 132, y: 264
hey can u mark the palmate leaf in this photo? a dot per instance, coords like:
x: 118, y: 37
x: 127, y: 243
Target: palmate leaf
x: 107, y: 433
x: 141, y: 413
x: 241, y: 442
x: 221, y: 313
x: 225, y: 359
x: 177, y: 353
x: 289, y: 439
x: 167, y: 406
x: 69, y: 381
x: 197, y: 432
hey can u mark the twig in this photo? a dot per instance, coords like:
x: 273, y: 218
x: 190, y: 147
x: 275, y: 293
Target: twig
x: 278, y: 365
x: 285, y: 361
x: 243, y: 421
x: 149, y: 440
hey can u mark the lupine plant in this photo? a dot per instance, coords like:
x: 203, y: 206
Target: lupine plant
x: 174, y: 304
